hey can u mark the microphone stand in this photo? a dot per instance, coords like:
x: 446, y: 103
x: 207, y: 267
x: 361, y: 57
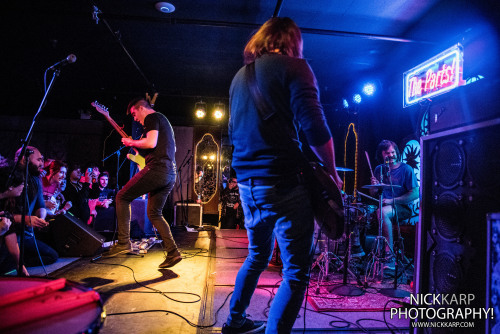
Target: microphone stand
x: 118, y: 153
x: 186, y: 207
x: 24, y: 153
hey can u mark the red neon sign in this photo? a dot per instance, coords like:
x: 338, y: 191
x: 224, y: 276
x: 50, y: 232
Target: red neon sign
x: 435, y: 76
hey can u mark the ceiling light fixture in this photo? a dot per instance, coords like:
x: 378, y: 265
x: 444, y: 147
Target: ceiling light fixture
x: 165, y: 7
x: 200, y: 109
x: 219, y: 111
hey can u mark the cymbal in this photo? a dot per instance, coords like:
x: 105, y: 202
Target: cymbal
x: 380, y: 186
x: 343, y: 169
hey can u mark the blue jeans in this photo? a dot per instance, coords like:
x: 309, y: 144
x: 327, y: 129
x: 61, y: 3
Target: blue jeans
x: 156, y: 183
x: 281, y: 211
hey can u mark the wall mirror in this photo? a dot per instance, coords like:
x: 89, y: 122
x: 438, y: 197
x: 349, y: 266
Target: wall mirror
x: 206, y: 168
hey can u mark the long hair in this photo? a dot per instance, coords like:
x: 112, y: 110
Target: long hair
x: 277, y: 33
x: 383, y: 146
x: 55, y: 166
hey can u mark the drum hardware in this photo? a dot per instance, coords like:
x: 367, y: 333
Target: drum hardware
x: 346, y: 289
x: 374, y: 267
x: 378, y: 250
x: 399, y: 251
x: 323, y: 260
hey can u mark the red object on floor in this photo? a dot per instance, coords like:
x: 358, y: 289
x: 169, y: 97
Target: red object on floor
x: 26, y: 300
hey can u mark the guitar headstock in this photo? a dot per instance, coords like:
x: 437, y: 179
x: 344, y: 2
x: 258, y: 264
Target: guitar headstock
x: 100, y: 108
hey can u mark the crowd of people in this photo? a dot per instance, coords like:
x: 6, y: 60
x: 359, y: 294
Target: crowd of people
x: 272, y: 191
x: 52, y: 189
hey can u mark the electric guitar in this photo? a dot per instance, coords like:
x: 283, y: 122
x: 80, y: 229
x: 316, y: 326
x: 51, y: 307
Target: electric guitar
x: 327, y: 202
x: 137, y: 158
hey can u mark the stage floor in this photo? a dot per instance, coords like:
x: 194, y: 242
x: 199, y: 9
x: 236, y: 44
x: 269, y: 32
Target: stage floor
x: 140, y: 298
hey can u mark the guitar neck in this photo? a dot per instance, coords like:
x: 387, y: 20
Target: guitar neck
x: 117, y: 127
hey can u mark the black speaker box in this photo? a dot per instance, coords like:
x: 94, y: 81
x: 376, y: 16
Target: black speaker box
x: 460, y: 185
x: 470, y: 104
x: 73, y: 237
x: 188, y: 214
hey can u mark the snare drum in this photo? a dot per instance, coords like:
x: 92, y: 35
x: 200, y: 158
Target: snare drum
x: 38, y: 305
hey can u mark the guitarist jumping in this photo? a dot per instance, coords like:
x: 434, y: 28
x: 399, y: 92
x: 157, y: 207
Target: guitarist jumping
x: 157, y: 179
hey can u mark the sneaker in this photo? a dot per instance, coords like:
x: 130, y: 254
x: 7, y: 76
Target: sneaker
x: 248, y: 327
x: 172, y: 258
x: 118, y: 249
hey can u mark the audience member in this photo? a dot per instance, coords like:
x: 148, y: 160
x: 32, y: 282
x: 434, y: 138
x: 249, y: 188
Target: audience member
x: 231, y: 210
x: 78, y: 192
x: 36, y: 251
x: 9, y: 248
x: 52, y: 192
x: 101, y: 198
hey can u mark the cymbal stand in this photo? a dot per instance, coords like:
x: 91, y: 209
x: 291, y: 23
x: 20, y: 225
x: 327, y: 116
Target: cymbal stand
x: 375, y: 266
x: 346, y: 289
x: 323, y: 261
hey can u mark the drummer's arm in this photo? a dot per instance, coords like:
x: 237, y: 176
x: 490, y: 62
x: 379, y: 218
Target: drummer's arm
x: 406, y: 198
x: 373, y: 180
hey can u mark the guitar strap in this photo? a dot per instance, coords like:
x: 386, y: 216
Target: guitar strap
x: 281, y: 130
x: 328, y: 210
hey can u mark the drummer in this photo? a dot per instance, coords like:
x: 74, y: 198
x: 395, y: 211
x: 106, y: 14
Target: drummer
x: 396, y: 200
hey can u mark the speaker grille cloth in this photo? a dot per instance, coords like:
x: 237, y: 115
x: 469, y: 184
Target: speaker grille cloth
x: 449, y: 164
x: 449, y: 216
x: 483, y: 161
x: 447, y: 274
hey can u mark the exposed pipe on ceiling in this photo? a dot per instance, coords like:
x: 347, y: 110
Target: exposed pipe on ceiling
x: 225, y: 24
x: 278, y: 8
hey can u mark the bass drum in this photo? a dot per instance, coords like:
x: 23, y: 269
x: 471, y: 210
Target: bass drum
x: 39, y: 305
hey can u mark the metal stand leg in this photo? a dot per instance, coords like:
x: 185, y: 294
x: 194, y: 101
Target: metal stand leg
x: 375, y: 265
x: 394, y: 291
x: 346, y: 289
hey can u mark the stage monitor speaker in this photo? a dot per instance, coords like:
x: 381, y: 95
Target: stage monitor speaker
x: 73, y: 237
x: 460, y: 183
x: 188, y: 214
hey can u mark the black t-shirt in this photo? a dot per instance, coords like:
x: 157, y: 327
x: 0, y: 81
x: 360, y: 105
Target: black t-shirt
x: 101, y: 195
x: 163, y: 155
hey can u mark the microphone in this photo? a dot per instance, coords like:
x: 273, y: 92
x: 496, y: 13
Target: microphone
x: 387, y: 165
x: 68, y: 60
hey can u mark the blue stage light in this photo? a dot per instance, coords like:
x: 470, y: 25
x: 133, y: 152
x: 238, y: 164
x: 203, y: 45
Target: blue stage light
x: 356, y: 98
x: 369, y: 89
x: 345, y: 103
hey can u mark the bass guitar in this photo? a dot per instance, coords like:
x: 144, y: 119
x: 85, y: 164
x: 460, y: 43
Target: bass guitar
x: 327, y: 202
x: 137, y: 158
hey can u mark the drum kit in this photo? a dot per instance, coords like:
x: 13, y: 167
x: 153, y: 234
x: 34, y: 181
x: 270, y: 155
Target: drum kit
x: 358, y: 217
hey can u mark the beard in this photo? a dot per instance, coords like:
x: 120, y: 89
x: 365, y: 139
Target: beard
x: 33, y: 170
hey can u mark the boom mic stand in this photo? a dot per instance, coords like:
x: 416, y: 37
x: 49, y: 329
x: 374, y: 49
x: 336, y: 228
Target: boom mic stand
x: 185, y: 203
x: 117, y: 188
x: 26, y: 153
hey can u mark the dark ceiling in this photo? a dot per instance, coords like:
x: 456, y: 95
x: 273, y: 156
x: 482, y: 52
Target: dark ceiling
x: 128, y: 48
